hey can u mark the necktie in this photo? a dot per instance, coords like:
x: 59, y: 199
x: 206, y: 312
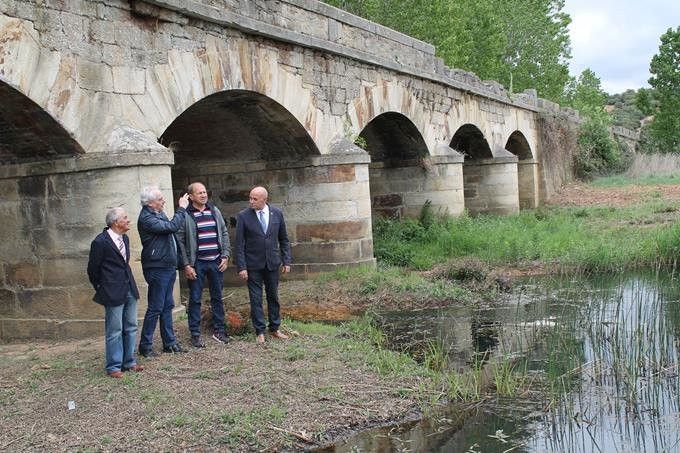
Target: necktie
x: 262, y: 222
x: 121, y: 246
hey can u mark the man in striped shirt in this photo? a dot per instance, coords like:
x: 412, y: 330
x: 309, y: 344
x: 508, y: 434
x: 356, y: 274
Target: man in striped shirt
x: 204, y: 248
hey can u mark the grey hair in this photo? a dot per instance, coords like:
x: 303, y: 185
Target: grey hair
x: 112, y: 215
x: 148, y: 194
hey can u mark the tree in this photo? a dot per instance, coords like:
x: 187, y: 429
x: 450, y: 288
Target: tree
x: 665, y: 70
x: 598, y: 152
x: 520, y: 43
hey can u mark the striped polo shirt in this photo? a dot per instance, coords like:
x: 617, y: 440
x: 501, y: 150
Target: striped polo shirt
x: 206, y: 230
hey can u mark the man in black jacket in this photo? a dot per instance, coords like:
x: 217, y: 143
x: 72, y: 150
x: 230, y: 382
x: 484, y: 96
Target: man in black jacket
x: 108, y: 269
x: 159, y: 264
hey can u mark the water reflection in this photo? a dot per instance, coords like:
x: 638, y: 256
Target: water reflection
x: 603, y: 351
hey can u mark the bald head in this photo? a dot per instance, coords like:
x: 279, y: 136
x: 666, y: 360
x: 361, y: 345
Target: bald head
x: 258, y: 198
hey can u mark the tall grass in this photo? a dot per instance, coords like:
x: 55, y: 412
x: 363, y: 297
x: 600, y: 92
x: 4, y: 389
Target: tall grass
x: 655, y: 165
x: 588, y: 239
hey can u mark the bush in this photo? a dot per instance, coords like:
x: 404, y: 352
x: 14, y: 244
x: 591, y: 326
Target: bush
x: 598, y: 152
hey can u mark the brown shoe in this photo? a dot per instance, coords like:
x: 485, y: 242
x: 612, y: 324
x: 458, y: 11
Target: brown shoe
x: 279, y: 335
x: 135, y: 368
x: 260, y: 339
x: 115, y: 374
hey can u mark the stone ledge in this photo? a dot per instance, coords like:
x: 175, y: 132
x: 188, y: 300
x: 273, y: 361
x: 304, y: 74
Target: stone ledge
x: 493, y: 161
x: 86, y: 162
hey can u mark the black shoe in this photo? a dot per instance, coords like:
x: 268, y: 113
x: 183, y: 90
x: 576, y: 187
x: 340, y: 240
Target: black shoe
x: 197, y: 341
x: 148, y: 354
x: 174, y: 349
x: 220, y: 337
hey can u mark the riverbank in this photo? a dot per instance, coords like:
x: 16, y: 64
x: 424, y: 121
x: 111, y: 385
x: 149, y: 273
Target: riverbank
x: 327, y: 380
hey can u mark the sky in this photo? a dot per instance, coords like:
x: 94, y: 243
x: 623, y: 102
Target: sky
x: 616, y: 39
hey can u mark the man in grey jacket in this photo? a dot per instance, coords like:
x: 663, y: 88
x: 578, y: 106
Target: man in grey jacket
x: 204, y: 251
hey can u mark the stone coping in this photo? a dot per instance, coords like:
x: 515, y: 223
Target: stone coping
x: 493, y: 161
x: 87, y: 162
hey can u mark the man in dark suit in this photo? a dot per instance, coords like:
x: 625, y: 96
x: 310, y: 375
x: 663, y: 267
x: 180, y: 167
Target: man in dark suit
x: 261, y: 247
x: 109, y: 271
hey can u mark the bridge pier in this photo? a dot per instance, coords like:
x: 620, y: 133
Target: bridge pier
x: 527, y: 179
x: 401, y: 190
x: 491, y: 186
x: 325, y: 200
x: 52, y: 211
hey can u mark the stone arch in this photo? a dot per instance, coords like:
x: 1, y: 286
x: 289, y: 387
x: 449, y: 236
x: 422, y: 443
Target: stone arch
x: 190, y: 79
x: 383, y: 98
x: 489, y: 181
x: 235, y: 139
x: 527, y: 169
x: 238, y: 125
x: 28, y: 133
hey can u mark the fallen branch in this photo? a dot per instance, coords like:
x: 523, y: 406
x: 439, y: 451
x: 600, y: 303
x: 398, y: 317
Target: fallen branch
x: 301, y: 435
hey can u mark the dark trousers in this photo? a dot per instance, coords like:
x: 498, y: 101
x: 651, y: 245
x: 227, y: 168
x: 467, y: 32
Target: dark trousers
x: 270, y: 280
x: 159, y: 306
x: 209, y: 270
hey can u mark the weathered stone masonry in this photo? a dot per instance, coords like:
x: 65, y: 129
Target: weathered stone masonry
x: 100, y: 98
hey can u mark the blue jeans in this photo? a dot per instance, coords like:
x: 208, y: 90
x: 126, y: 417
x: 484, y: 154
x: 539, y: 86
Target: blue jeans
x: 120, y: 327
x: 216, y: 281
x: 270, y: 280
x: 160, y: 305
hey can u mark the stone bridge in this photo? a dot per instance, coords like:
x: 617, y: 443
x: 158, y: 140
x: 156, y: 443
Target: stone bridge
x: 99, y: 98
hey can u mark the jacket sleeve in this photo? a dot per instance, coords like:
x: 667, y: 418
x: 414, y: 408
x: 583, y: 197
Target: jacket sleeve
x: 226, y: 245
x: 157, y: 225
x: 239, y: 244
x: 181, y: 236
x: 94, y: 263
x: 284, y: 243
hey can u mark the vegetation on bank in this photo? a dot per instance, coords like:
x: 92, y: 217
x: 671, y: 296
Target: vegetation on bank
x: 581, y: 239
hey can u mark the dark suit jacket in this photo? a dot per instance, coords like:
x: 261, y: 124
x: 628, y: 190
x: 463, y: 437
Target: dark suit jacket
x: 109, y: 273
x: 256, y: 250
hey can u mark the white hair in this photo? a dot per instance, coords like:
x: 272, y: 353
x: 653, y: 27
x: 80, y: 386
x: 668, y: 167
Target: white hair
x: 149, y: 194
x: 112, y: 215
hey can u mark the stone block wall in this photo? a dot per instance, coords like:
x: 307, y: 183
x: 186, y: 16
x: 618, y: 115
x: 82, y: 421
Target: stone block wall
x: 401, y: 191
x: 325, y: 203
x: 491, y: 186
x: 527, y: 178
x: 51, y: 220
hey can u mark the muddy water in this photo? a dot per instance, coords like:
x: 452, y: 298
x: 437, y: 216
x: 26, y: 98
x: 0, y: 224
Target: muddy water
x: 595, y: 360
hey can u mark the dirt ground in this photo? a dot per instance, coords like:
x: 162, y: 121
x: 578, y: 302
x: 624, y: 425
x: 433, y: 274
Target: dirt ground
x: 286, y: 395
x: 578, y: 194
x: 238, y: 397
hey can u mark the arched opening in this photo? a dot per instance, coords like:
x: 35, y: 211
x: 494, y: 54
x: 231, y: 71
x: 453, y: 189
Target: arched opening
x: 236, y: 139
x: 527, y: 169
x: 489, y: 183
x: 470, y: 142
x: 398, y: 170
x: 28, y: 133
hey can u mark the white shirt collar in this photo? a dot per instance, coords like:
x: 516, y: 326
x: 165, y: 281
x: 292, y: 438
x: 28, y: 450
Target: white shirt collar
x: 114, y: 235
x: 265, y: 210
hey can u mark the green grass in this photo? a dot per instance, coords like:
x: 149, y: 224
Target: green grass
x: 623, y: 180
x: 585, y: 239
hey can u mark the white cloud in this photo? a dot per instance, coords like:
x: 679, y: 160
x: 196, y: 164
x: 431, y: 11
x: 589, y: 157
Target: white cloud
x: 617, y: 39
